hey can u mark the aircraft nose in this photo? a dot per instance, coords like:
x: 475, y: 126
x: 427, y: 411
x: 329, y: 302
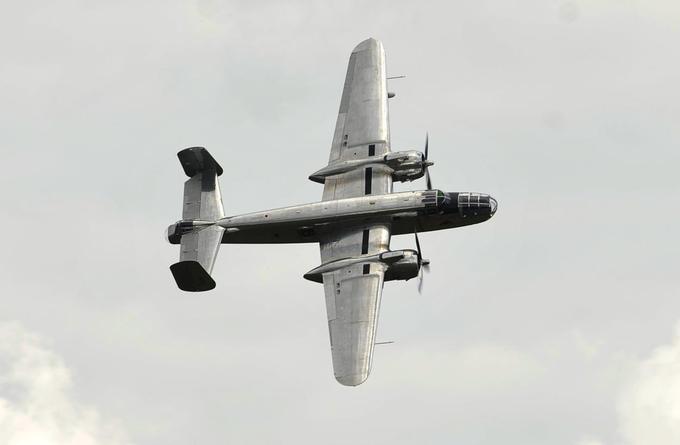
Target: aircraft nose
x: 494, y: 205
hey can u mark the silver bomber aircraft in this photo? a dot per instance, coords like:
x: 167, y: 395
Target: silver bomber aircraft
x: 352, y: 223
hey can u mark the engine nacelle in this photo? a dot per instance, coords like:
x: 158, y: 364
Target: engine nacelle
x: 407, y: 165
x: 401, y: 265
x: 408, y: 175
x: 406, y: 268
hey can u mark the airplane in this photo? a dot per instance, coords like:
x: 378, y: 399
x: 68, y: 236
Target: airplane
x: 353, y: 222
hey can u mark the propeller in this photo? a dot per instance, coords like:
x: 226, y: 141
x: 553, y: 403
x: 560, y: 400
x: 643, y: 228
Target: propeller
x: 424, y: 264
x: 426, y: 163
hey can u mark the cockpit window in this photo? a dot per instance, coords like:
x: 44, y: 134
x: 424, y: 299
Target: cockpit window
x: 441, y: 197
x: 473, y: 200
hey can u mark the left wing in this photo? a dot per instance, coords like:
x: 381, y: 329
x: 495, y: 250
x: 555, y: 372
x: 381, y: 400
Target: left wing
x: 353, y: 300
x: 362, y: 128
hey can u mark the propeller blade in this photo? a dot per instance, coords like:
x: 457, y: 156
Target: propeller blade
x: 426, y: 163
x: 423, y: 263
x: 427, y: 143
x: 420, y: 256
x: 424, y: 268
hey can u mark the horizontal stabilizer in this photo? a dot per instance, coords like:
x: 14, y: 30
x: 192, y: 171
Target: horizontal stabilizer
x: 197, y: 232
x: 197, y: 258
x: 191, y: 277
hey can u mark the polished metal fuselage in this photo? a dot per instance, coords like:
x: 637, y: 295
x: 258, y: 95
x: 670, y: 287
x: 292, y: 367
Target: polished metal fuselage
x: 404, y: 212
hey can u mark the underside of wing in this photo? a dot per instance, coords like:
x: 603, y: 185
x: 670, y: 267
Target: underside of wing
x: 353, y: 288
x: 353, y: 299
x: 352, y: 303
x: 362, y: 128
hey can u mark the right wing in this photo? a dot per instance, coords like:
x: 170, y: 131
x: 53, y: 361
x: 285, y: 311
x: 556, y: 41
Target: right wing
x: 353, y: 300
x: 362, y: 128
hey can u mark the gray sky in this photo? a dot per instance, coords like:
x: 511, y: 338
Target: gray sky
x: 556, y: 322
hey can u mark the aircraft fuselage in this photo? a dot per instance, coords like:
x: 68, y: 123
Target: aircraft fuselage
x: 404, y: 212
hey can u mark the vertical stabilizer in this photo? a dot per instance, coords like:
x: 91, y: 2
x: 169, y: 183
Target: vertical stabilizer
x: 202, y: 197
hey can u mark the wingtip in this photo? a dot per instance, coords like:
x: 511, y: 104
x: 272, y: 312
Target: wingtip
x: 366, y: 44
x: 352, y: 379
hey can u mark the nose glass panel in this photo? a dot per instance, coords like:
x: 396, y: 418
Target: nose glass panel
x: 473, y: 200
x: 476, y: 203
x: 494, y: 205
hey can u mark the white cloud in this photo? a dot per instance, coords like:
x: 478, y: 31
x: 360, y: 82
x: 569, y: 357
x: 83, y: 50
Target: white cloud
x: 650, y: 404
x: 470, y: 370
x: 36, y: 404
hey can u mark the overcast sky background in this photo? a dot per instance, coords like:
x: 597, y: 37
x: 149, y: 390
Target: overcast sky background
x: 554, y: 323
